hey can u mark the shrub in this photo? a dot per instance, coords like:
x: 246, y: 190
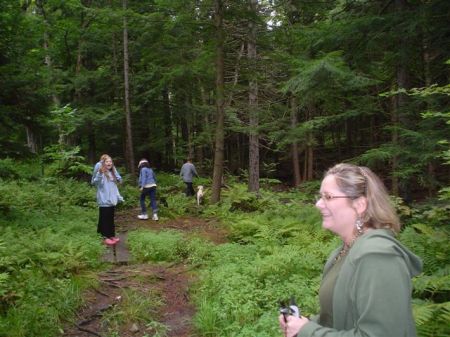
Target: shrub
x: 11, y: 169
x: 48, y: 248
x: 148, y: 246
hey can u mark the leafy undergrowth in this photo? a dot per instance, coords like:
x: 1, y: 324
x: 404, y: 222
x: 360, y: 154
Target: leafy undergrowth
x: 46, y: 263
x: 50, y: 253
x: 279, y: 250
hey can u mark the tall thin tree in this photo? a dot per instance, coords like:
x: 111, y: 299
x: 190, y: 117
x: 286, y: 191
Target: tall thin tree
x: 398, y: 113
x: 48, y: 62
x: 128, y: 128
x: 253, y: 164
x: 294, y: 145
x: 220, y: 109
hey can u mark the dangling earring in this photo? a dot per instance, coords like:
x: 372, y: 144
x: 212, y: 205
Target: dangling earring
x: 359, y: 225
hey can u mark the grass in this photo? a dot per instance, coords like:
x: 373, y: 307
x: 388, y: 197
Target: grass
x: 49, y: 250
x: 135, y: 308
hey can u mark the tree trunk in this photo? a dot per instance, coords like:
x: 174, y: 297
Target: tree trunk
x: 91, y: 143
x: 209, y: 149
x: 253, y: 163
x: 129, y: 154
x: 309, y: 152
x: 31, y: 139
x: 48, y: 63
x: 219, y: 142
x: 186, y: 125
x: 294, y: 147
x: 115, y: 63
x: 427, y: 59
x: 310, y: 161
x: 169, y: 141
x: 399, y: 114
x: 236, y: 74
x: 206, y: 102
x: 185, y: 132
x: 85, y: 22
x: 394, y: 140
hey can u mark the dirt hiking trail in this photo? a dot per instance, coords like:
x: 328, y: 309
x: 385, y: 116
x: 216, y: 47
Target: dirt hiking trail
x: 171, y: 282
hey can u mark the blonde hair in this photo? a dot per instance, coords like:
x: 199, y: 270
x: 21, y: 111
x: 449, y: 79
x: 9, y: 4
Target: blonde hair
x: 356, y: 181
x: 113, y: 171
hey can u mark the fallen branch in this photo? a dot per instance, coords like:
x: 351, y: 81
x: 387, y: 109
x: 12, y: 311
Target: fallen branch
x: 88, y: 320
x: 88, y: 331
x: 114, y: 279
x: 111, y: 283
x: 194, y: 266
x: 101, y: 293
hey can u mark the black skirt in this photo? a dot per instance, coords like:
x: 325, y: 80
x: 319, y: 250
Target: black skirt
x: 106, y: 225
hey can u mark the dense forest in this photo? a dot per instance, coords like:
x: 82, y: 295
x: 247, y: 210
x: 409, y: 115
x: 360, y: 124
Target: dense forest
x: 263, y: 89
x: 264, y: 96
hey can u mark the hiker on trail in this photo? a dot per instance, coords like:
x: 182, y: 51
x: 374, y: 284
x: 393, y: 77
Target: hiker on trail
x: 99, y: 164
x: 105, y: 179
x: 188, y: 172
x: 366, y: 284
x: 147, y: 185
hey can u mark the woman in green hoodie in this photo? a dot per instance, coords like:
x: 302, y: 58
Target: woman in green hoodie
x: 366, y: 285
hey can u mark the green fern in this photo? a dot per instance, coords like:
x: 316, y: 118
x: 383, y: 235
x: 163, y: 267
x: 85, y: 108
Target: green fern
x: 432, y: 318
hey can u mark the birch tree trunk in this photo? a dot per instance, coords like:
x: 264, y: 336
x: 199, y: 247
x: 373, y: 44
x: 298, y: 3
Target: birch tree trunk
x: 31, y: 139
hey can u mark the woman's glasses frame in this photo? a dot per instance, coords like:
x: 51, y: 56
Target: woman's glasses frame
x: 328, y: 197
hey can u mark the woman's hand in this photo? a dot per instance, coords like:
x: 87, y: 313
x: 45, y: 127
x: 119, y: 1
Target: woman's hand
x: 291, y: 325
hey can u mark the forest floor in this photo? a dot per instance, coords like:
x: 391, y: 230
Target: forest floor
x: 171, y: 282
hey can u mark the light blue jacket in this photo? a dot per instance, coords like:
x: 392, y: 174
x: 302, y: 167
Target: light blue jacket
x: 107, y: 192
x: 147, y: 177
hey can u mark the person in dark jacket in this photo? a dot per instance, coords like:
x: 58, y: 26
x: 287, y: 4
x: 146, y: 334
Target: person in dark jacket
x: 366, y: 285
x: 147, y: 185
x: 187, y: 173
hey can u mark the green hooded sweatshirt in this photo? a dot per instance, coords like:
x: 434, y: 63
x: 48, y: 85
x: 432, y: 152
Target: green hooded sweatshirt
x: 372, y: 294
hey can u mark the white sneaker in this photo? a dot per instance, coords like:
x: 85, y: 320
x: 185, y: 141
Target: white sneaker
x: 143, y: 216
x: 155, y: 217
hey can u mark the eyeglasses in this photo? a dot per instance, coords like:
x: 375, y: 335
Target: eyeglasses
x: 327, y: 197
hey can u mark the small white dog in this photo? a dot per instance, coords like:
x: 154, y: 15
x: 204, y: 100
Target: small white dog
x: 199, y: 194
